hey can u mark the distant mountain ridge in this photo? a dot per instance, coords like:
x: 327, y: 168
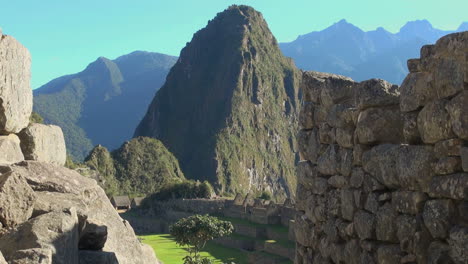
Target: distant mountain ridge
x: 104, y: 103
x: 347, y: 50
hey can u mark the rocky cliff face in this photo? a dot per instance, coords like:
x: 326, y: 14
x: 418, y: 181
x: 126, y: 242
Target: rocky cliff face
x: 229, y: 106
x: 384, y: 170
x: 104, y: 103
x: 50, y: 214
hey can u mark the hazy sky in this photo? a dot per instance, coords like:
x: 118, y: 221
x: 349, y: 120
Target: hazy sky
x: 64, y: 36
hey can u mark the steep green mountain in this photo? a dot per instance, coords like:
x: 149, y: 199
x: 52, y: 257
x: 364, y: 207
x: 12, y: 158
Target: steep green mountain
x: 104, y: 103
x: 140, y: 166
x: 228, y: 110
x: 346, y: 49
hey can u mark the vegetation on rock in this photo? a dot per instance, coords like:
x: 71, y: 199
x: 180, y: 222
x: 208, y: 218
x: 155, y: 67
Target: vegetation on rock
x: 229, y: 113
x: 141, y: 166
x: 36, y: 118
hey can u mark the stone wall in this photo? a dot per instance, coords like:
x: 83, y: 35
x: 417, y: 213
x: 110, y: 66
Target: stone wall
x: 383, y: 176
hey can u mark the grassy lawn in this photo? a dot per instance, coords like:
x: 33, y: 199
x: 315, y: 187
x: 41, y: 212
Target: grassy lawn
x: 170, y: 253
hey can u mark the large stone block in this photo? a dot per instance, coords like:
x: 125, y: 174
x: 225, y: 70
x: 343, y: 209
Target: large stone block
x: 348, y: 206
x: 448, y: 165
x: 458, y: 110
x: 340, y: 116
x: 458, y: 242
x: 433, y: 122
x: 452, y: 186
x: 448, y: 74
x: 415, y: 167
x: 386, y: 228
x: 464, y: 158
x: 438, y: 217
x: 410, y: 128
x: 10, y: 149
x: 381, y: 163
x: 43, y: 143
x: 380, y: 125
x: 93, y: 257
x: 389, y: 254
x: 416, y: 91
x: 450, y: 147
x: 364, y: 224
x: 329, y: 161
x: 306, y: 116
x: 345, y: 137
x: 16, y: 199
x: 438, y: 252
x: 57, y: 231
x: 376, y: 93
x: 408, y: 202
x: 86, y: 196
x: 15, y: 92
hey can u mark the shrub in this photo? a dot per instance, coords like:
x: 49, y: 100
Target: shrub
x: 266, y: 195
x: 194, y: 231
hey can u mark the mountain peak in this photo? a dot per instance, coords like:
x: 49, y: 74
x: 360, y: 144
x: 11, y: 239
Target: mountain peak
x: 463, y: 27
x: 417, y: 25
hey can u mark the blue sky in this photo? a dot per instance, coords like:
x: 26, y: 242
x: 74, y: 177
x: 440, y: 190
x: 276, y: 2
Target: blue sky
x: 64, y: 36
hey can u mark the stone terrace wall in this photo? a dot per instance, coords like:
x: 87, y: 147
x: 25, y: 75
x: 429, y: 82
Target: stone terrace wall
x: 383, y: 172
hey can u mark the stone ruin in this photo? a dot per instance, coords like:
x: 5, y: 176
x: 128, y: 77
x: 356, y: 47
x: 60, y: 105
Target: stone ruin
x: 383, y: 176
x: 50, y: 214
x: 260, y: 211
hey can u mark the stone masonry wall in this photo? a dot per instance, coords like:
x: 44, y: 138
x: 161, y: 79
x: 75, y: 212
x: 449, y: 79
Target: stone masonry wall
x: 383, y: 176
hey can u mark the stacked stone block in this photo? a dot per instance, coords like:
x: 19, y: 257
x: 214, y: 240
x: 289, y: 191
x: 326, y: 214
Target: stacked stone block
x: 383, y: 171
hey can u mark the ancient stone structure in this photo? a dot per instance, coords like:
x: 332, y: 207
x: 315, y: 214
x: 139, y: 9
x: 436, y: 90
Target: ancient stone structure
x: 383, y: 176
x: 50, y: 214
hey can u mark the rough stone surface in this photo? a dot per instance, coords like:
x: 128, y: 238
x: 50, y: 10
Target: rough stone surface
x: 381, y: 163
x: 57, y: 231
x: 458, y: 242
x: 33, y: 255
x: 448, y: 165
x: 16, y: 199
x: 458, y: 110
x: 416, y: 90
x: 380, y: 125
x: 101, y: 257
x: 450, y: 147
x: 329, y: 161
x: 2, y: 259
x: 409, y: 202
x: 450, y: 186
x: 67, y: 188
x: 438, y: 217
x: 15, y: 93
x: 44, y: 143
x: 464, y: 158
x: 432, y: 122
x: 364, y: 223
x: 415, y: 167
x: 376, y: 93
x: 10, y: 149
x: 93, y: 236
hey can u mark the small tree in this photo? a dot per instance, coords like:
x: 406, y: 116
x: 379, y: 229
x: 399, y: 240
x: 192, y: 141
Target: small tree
x: 194, y: 231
